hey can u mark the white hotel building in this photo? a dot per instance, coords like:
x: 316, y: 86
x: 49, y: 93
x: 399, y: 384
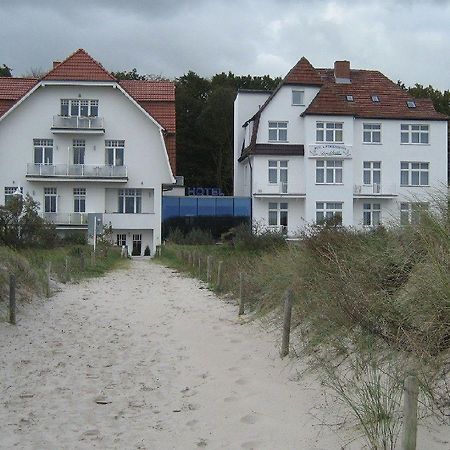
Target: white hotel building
x: 340, y: 143
x: 81, y: 142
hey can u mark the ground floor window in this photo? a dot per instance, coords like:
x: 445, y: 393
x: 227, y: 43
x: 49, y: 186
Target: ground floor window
x: 50, y: 199
x: 331, y: 211
x: 130, y: 201
x: 410, y: 212
x: 79, y: 200
x: 121, y: 239
x: 10, y: 191
x: 278, y: 215
x: 137, y: 245
x: 372, y: 214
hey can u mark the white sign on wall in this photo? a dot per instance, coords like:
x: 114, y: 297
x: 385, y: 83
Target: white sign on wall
x: 330, y: 151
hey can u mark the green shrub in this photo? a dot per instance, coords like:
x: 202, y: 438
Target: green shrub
x: 193, y: 237
x: 243, y: 237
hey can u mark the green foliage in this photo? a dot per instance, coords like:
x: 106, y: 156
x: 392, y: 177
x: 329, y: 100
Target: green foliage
x: 193, y: 237
x: 75, y: 237
x: 21, y: 225
x: 5, y: 71
x: 134, y: 75
x: 147, y: 251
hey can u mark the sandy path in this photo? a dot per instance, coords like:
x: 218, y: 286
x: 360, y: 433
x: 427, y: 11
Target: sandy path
x: 171, y: 361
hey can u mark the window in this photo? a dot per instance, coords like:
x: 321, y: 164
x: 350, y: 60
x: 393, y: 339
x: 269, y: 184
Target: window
x: 329, y: 172
x: 414, y: 173
x: 79, y: 200
x: 43, y: 151
x: 329, y: 132
x: 278, y: 131
x: 121, y: 240
x: 278, y: 215
x: 298, y: 98
x: 79, y: 108
x: 130, y: 201
x: 410, y: 213
x: 372, y: 133
x: 414, y: 134
x: 10, y: 192
x: 79, y: 146
x: 329, y: 211
x: 372, y: 173
x: 50, y: 198
x: 114, y: 152
x: 375, y: 99
x: 411, y: 104
x: 372, y: 214
x: 349, y: 98
x: 278, y: 173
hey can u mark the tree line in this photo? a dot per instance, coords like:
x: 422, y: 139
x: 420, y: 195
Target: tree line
x: 204, y: 109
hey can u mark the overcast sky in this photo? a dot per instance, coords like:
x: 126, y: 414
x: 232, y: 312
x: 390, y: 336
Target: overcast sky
x: 405, y: 39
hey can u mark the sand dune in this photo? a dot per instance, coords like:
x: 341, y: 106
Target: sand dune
x: 145, y: 358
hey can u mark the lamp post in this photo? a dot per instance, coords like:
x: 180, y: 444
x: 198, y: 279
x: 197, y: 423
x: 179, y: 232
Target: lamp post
x: 19, y: 192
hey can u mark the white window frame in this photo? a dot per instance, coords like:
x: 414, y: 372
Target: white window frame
x: 330, y: 170
x: 302, y: 95
x: 51, y: 193
x: 414, y: 134
x: 79, y: 149
x: 75, y: 106
x: 44, y: 147
x: 136, y: 195
x: 115, y: 147
x: 10, y: 192
x: 330, y: 132
x: 371, y: 214
x: 278, y: 173
x: 419, y: 170
x: 328, y: 210
x: 371, y: 131
x: 370, y: 169
x: 121, y: 239
x: 410, y: 212
x: 280, y: 129
x: 79, y: 200
x: 278, y: 215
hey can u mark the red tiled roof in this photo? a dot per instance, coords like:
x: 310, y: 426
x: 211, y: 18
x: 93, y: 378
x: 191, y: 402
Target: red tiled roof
x: 12, y: 90
x: 331, y: 99
x: 150, y: 90
x: 79, y: 66
x: 303, y: 73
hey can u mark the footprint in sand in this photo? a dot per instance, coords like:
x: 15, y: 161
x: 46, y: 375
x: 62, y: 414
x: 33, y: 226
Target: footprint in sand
x: 192, y: 423
x: 249, y: 419
x: 241, y: 381
x: 251, y: 445
x: 230, y: 399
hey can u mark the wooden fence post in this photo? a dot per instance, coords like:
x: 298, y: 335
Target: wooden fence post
x: 219, y: 274
x: 189, y: 258
x: 12, y: 299
x: 208, y: 268
x: 411, y: 394
x: 49, y: 272
x: 286, y: 323
x: 82, y: 262
x: 241, y: 294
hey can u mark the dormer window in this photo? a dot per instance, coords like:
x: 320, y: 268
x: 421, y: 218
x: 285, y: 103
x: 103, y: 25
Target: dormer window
x: 411, y: 104
x: 375, y: 99
x: 349, y: 98
x: 298, y: 98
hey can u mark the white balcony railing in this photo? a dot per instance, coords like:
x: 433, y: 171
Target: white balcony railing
x: 66, y: 218
x: 375, y: 189
x: 272, y: 188
x: 76, y: 171
x: 78, y: 123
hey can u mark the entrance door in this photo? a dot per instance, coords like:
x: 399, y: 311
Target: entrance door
x: 137, y: 245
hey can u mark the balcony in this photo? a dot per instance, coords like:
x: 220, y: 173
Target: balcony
x: 67, y: 172
x: 86, y: 125
x: 70, y: 219
x: 375, y: 190
x: 274, y: 190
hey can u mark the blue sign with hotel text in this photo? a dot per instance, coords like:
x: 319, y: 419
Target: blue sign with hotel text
x: 204, y: 191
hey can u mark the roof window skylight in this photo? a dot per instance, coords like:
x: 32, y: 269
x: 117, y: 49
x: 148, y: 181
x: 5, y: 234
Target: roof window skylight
x: 375, y: 99
x: 349, y: 98
x: 411, y: 103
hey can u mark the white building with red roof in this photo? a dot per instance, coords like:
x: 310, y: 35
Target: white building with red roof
x: 337, y: 143
x: 82, y: 143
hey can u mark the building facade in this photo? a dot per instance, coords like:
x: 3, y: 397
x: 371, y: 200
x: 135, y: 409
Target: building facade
x: 342, y: 144
x: 83, y: 143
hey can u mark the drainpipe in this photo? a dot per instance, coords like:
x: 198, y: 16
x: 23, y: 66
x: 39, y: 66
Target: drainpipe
x: 251, y: 192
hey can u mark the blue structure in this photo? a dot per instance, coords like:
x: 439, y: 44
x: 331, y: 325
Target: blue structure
x: 216, y: 214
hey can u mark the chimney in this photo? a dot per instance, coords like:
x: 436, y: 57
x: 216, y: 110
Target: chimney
x: 342, y: 71
x: 55, y: 63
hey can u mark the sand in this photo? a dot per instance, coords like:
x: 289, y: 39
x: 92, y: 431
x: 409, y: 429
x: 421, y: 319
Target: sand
x: 145, y: 358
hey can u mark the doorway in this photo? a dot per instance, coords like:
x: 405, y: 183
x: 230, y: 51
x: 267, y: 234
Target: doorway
x: 137, y: 245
